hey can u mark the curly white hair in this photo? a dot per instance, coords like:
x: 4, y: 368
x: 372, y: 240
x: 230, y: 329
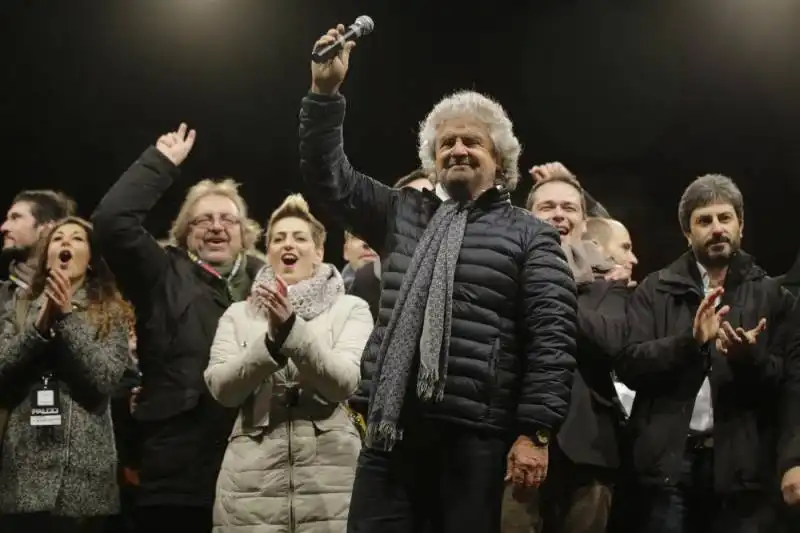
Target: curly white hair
x: 484, y: 109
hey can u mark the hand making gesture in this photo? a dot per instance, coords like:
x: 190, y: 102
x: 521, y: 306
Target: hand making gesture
x: 176, y: 146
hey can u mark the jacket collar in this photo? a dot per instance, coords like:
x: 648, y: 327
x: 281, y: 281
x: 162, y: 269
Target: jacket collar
x: 490, y: 199
x: 683, y: 275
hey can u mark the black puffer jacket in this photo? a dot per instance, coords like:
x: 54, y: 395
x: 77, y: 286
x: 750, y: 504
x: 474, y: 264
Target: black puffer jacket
x: 514, y: 305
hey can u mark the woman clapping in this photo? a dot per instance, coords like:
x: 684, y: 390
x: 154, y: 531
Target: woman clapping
x: 289, y: 358
x: 63, y: 349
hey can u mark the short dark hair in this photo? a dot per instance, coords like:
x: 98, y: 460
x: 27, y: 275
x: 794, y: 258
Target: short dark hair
x: 569, y: 180
x: 707, y: 190
x: 46, y: 205
x: 418, y: 174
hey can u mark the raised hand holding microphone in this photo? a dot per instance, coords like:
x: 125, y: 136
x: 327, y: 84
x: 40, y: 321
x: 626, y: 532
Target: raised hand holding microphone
x: 327, y: 77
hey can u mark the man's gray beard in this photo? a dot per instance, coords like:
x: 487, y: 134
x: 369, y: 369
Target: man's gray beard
x: 459, y: 189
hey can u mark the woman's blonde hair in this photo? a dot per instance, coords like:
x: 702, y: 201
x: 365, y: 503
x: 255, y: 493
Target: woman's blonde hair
x: 295, y: 206
x: 179, y: 232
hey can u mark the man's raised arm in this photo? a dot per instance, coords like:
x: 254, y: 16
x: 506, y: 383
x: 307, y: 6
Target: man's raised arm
x: 362, y: 204
x: 136, y: 259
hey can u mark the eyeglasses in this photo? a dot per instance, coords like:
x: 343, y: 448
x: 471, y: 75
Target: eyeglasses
x: 207, y: 221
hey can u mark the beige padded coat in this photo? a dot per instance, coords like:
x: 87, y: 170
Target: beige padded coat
x: 288, y: 469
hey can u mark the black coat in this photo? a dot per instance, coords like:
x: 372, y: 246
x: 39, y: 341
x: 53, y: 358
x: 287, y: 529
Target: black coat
x: 591, y: 431
x: 367, y: 286
x: 178, y: 304
x: 513, y: 332
x: 666, y: 367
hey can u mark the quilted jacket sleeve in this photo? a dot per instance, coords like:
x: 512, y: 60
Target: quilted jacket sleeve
x: 549, y: 322
x: 362, y: 204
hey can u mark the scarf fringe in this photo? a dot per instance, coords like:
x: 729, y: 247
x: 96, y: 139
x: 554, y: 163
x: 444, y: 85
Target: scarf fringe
x: 383, y: 436
x: 429, y: 386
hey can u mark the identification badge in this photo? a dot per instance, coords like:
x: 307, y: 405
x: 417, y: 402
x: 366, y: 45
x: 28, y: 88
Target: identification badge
x: 45, y: 406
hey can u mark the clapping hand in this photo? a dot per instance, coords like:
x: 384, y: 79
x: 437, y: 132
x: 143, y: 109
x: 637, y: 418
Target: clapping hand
x: 738, y: 342
x: 58, y: 302
x: 327, y: 77
x: 176, y: 145
x: 275, y: 297
x: 707, y: 320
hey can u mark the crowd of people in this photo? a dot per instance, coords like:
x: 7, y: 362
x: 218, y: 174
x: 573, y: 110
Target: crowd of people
x: 475, y: 366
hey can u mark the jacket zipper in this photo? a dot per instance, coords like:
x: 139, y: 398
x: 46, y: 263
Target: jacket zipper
x: 290, y: 428
x: 291, y: 474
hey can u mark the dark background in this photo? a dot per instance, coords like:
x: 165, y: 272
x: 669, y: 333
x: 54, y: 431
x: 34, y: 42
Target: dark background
x: 637, y: 97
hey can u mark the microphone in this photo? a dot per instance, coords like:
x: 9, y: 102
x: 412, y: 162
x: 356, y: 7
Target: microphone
x: 362, y: 26
x: 65, y: 256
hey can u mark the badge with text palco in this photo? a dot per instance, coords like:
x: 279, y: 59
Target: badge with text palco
x: 45, y: 407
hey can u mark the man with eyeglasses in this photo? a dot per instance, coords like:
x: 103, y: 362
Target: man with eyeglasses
x: 179, y: 292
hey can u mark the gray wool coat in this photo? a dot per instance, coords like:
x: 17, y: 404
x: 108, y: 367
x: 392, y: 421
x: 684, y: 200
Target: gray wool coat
x: 71, y: 469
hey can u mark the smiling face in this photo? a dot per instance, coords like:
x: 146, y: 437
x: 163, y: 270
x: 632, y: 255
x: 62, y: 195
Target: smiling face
x: 465, y: 160
x: 291, y: 250
x: 215, y: 230
x: 560, y: 204
x: 68, y: 250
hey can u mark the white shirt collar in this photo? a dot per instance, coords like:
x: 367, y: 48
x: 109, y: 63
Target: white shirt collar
x: 704, y: 277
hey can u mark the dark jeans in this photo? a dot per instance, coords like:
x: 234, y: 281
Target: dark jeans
x: 440, y: 479
x: 45, y: 522
x: 693, y: 507
x: 172, y: 518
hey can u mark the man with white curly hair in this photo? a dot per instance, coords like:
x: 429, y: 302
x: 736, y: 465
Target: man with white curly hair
x: 475, y: 338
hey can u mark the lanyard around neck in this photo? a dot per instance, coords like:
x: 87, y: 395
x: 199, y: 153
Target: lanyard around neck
x: 211, y: 270
x: 19, y: 282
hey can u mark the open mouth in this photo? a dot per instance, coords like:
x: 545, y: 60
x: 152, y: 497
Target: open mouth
x: 216, y: 241
x: 288, y: 260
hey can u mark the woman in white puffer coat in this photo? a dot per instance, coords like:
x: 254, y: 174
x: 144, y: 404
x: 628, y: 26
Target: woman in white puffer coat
x: 289, y: 358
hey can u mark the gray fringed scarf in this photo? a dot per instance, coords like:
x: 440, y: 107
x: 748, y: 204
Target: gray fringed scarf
x: 310, y: 297
x: 420, y: 321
